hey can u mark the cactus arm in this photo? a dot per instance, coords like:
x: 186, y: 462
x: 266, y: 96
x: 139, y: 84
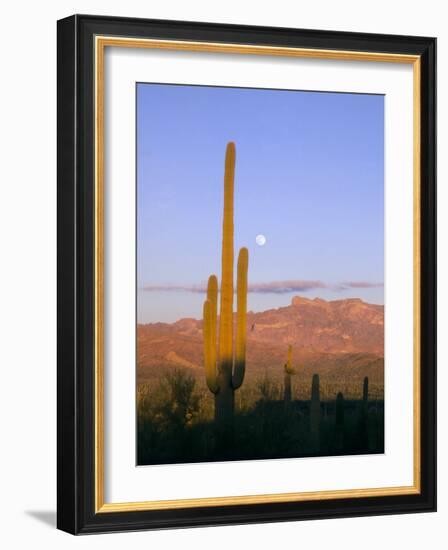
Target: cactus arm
x: 226, y: 298
x: 241, y: 319
x: 209, y: 349
x: 212, y: 297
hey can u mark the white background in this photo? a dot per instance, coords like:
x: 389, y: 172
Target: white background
x: 123, y: 481
x: 28, y: 272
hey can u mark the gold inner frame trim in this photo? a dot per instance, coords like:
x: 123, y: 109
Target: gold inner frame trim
x: 101, y: 42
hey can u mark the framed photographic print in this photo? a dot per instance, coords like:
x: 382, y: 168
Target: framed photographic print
x: 246, y: 274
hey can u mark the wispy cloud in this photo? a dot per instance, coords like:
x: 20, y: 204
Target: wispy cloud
x: 283, y: 287
x: 359, y: 284
x: 272, y: 287
x: 175, y: 288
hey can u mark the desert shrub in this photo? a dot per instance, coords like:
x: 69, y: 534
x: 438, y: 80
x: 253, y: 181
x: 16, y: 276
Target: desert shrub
x: 179, y: 402
x: 164, y: 414
x: 268, y: 389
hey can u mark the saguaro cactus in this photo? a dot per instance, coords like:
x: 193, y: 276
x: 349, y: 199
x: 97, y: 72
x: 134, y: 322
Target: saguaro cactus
x: 340, y: 421
x: 289, y: 371
x: 365, y: 394
x: 363, y: 423
x: 224, y: 369
x: 315, y: 414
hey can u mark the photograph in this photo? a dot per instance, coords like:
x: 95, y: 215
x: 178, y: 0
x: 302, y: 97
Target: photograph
x: 246, y: 274
x: 260, y: 273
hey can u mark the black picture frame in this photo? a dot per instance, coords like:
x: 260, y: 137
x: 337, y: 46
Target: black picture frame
x: 76, y: 254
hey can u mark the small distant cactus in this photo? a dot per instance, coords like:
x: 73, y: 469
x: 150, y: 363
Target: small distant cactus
x: 340, y: 421
x: 289, y: 371
x: 224, y: 369
x: 372, y: 429
x: 365, y: 394
x: 315, y: 413
x: 363, y: 422
x: 340, y: 413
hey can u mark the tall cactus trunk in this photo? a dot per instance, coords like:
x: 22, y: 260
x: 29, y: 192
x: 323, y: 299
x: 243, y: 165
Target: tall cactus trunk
x: 224, y: 404
x: 224, y: 399
x: 226, y: 304
x: 224, y: 369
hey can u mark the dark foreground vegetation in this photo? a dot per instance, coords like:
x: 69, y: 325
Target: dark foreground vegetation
x: 175, y: 421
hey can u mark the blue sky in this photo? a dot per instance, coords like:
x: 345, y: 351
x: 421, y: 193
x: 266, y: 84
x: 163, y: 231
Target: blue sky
x: 309, y: 176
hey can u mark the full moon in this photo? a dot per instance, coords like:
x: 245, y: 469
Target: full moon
x: 260, y: 240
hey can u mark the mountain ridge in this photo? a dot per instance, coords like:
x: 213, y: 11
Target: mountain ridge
x: 339, y: 337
